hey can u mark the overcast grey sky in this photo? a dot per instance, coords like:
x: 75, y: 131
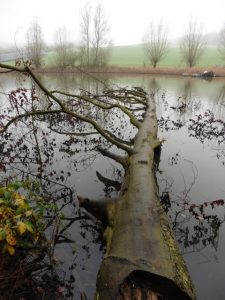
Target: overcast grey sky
x: 128, y: 19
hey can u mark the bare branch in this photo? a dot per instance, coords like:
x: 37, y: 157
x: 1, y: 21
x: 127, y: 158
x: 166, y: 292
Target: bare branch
x: 109, y: 182
x: 26, y: 115
x: 35, y: 44
x: 120, y: 159
x: 221, y: 42
x: 130, y: 143
x: 86, y: 32
x: 192, y: 45
x: 124, y: 95
x: 95, y: 44
x: 100, y: 41
x: 103, y: 106
x: 63, y: 108
x: 73, y: 133
x: 155, y: 43
x: 5, y: 72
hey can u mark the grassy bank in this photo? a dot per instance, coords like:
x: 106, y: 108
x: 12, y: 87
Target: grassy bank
x: 175, y: 71
x: 133, y: 56
x: 131, y: 59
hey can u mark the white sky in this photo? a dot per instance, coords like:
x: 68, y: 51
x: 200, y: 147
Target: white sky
x: 128, y: 19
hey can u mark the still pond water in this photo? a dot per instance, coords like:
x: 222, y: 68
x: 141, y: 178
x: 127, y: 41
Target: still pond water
x: 190, y: 173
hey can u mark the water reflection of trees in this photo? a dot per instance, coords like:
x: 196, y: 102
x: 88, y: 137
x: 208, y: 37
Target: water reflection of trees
x: 43, y: 148
x: 79, y: 82
x: 221, y: 95
x: 196, y: 226
x: 219, y: 108
x: 153, y: 85
x: 21, y: 160
x: 32, y: 274
x: 38, y: 147
x: 203, y: 125
x: 187, y: 89
x: 206, y: 127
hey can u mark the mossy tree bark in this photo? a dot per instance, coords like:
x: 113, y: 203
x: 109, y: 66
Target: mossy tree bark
x: 142, y: 255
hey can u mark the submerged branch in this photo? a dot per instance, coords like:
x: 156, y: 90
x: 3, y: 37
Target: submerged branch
x: 97, y: 103
x: 64, y: 109
x: 100, y: 130
x: 130, y: 143
x: 109, y: 182
x: 26, y: 115
x: 5, y: 72
x: 73, y: 133
x: 118, y: 158
x: 137, y: 97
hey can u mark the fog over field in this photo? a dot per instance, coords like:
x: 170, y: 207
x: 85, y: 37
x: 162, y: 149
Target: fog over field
x: 128, y: 19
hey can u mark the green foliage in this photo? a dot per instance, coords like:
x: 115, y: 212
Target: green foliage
x: 21, y: 217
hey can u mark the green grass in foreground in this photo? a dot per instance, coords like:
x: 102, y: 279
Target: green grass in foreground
x: 133, y: 56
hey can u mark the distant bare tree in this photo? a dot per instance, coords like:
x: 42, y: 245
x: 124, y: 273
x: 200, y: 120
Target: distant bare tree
x: 221, y: 42
x: 65, y: 51
x: 100, y: 41
x: 82, y: 55
x: 86, y: 33
x: 35, y: 44
x: 96, y: 45
x: 192, y: 45
x: 155, y: 43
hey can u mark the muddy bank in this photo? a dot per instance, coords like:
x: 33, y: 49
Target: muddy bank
x: 218, y: 71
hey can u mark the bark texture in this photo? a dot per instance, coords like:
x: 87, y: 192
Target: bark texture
x: 140, y: 242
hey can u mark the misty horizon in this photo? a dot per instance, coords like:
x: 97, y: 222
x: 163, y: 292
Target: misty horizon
x: 128, y: 21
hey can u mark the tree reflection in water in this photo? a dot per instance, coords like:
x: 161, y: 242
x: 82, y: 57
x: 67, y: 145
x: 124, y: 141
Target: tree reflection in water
x: 195, y: 225
x: 46, y: 149
x: 51, y: 149
x: 41, y: 274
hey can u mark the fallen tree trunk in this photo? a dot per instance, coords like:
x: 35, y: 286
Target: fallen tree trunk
x: 142, y: 259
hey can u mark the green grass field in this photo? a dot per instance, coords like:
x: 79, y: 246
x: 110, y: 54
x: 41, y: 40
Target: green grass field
x: 133, y: 56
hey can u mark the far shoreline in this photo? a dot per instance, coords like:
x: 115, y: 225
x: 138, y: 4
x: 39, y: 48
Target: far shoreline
x: 187, y: 72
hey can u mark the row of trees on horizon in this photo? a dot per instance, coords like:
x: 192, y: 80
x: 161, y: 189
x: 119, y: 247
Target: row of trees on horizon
x: 95, y: 47
x: 93, y: 50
